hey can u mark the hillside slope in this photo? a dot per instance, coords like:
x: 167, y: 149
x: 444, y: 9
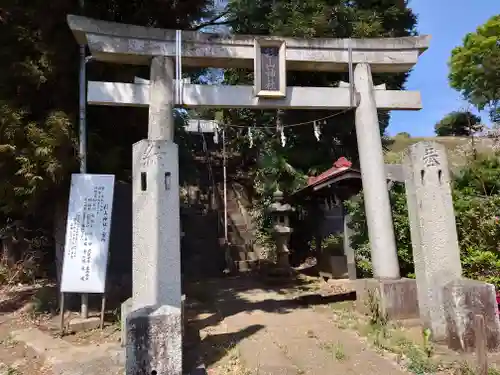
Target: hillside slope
x: 458, y: 147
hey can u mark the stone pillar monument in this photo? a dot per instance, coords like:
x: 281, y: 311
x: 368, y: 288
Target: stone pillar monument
x: 348, y: 250
x: 433, y: 230
x: 447, y: 302
x: 154, y: 328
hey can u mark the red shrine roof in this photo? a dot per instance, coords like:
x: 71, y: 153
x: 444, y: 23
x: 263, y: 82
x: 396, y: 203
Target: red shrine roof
x: 340, y: 166
x: 341, y: 170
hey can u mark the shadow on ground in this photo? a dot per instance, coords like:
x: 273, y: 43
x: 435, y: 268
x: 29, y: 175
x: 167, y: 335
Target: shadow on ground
x: 209, y: 302
x: 213, y: 348
x: 219, y: 298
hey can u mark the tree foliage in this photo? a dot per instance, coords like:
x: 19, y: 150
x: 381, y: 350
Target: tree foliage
x: 308, y: 19
x: 476, y: 197
x: 475, y: 67
x: 39, y: 94
x: 403, y: 135
x: 458, y: 123
x: 39, y: 64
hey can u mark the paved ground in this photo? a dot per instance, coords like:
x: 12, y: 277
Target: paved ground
x: 28, y: 347
x: 237, y: 326
x: 271, y: 331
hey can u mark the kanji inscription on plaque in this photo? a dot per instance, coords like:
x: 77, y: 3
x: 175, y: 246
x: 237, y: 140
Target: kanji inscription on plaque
x: 431, y: 157
x: 270, y: 68
x: 269, y: 65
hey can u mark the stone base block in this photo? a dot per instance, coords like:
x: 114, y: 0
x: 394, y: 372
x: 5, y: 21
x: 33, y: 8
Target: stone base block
x: 154, y: 341
x: 183, y: 302
x: 83, y: 324
x: 125, y: 309
x: 246, y: 265
x: 397, y: 299
x: 333, y: 267
x: 462, y: 300
x: 351, y: 271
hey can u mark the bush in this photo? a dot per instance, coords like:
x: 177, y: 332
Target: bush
x: 403, y: 135
x: 23, y: 271
x: 479, y: 236
x: 476, y: 196
x: 333, y: 244
x: 359, y: 239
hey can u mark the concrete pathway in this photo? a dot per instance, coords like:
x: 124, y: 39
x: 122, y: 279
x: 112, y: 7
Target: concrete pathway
x: 274, y: 335
x: 64, y: 358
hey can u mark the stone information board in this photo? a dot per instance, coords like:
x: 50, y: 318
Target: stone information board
x: 270, y: 68
x: 87, y: 233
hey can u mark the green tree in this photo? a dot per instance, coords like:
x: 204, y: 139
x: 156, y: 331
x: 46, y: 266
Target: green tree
x: 39, y: 101
x: 403, y: 135
x: 475, y: 67
x: 309, y: 19
x: 458, y: 123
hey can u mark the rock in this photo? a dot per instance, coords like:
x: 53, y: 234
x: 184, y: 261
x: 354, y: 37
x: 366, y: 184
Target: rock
x: 462, y: 300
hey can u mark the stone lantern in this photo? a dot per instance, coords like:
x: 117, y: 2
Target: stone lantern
x: 280, y: 214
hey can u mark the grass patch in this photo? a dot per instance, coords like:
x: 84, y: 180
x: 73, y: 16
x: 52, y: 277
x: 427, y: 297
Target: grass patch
x: 466, y: 369
x: 388, y: 337
x: 337, y: 350
x: 344, y: 311
x: 12, y: 371
x: 22, y: 272
x: 9, y: 370
x: 8, y: 342
x: 233, y: 364
x: 342, y: 306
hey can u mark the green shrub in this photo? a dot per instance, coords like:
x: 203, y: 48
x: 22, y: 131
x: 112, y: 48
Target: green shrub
x: 359, y: 239
x: 332, y: 244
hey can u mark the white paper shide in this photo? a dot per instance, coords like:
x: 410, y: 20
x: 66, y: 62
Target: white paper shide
x: 87, y: 233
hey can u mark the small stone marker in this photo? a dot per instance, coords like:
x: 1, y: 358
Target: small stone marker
x: 464, y: 299
x: 348, y: 249
x: 433, y: 230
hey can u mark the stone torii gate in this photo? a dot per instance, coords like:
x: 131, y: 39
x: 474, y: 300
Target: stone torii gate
x: 156, y: 245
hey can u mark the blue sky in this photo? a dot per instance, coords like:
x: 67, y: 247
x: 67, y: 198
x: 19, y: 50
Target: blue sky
x: 447, y: 21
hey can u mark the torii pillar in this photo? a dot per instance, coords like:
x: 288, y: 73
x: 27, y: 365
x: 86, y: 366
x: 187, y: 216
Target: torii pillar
x: 393, y: 296
x: 377, y: 206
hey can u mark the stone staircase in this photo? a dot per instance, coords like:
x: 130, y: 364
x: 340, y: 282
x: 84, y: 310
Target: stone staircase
x: 203, y: 221
x: 240, y: 231
x: 201, y: 252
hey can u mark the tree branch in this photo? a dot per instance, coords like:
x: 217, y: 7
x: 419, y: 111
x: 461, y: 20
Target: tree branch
x: 213, y: 21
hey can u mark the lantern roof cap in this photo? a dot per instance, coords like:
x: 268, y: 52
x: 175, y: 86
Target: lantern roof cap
x: 277, y: 206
